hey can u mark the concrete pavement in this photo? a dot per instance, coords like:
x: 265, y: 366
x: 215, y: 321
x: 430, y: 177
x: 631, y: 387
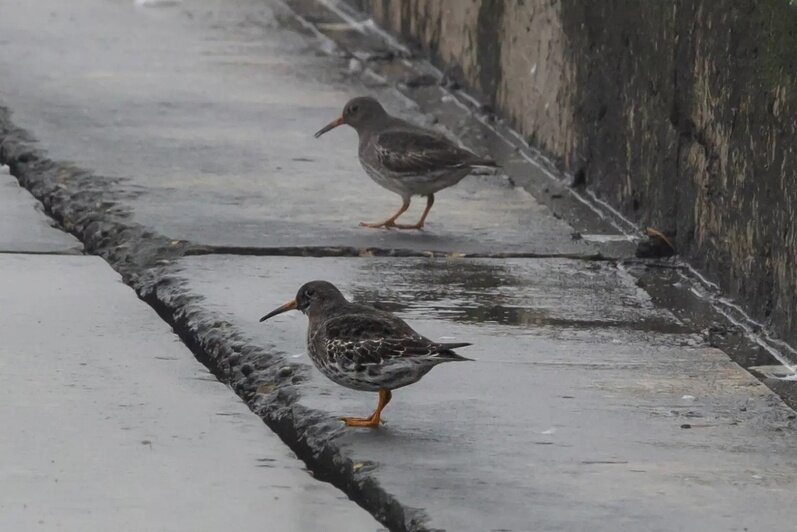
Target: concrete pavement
x: 23, y: 225
x: 177, y: 141
x: 109, y: 422
x: 224, y: 107
x: 585, y: 404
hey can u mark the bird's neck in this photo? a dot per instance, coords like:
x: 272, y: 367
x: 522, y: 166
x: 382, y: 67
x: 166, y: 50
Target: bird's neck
x: 316, y: 314
x: 377, y: 124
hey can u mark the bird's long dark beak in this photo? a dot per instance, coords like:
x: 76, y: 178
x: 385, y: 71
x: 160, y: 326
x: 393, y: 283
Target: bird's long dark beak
x: 290, y: 305
x: 332, y: 125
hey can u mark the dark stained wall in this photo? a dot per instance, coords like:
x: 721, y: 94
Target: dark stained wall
x: 681, y: 114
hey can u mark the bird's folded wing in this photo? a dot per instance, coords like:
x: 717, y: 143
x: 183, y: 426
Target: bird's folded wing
x: 409, y: 152
x: 367, y: 324
x: 375, y: 351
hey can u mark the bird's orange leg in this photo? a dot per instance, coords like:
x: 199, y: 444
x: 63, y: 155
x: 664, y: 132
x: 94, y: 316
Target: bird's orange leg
x: 375, y: 419
x: 419, y: 225
x: 390, y: 222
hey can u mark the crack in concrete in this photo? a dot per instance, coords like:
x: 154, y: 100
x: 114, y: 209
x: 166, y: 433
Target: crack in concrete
x: 89, y: 208
x: 86, y: 206
x: 348, y: 251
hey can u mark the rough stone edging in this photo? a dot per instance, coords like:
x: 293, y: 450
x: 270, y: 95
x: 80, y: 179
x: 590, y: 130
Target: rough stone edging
x: 86, y: 205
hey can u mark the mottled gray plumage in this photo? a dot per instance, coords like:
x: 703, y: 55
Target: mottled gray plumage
x: 404, y: 158
x: 364, y: 348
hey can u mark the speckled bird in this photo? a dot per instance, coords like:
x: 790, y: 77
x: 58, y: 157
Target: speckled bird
x: 363, y: 348
x: 404, y: 158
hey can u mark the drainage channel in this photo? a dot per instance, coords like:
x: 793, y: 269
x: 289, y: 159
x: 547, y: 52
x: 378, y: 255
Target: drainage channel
x: 139, y: 256
x: 264, y: 379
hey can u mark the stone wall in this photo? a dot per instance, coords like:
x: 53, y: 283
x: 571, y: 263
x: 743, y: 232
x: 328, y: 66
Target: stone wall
x: 681, y: 114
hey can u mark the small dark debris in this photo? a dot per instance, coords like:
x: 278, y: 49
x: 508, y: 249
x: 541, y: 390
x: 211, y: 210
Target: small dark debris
x: 717, y: 328
x: 26, y: 157
x: 382, y: 55
x: 450, y: 84
x: 421, y: 80
x: 659, y: 244
x: 576, y: 236
x: 653, y: 248
x: 556, y: 195
x: 579, y: 178
x: 247, y: 369
x: 686, y: 426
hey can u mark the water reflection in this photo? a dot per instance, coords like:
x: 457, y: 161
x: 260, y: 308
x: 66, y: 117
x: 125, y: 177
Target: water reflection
x: 556, y: 293
x: 462, y: 290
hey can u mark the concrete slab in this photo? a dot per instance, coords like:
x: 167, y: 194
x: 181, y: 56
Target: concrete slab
x: 23, y: 225
x: 206, y: 111
x: 587, y: 406
x: 109, y: 423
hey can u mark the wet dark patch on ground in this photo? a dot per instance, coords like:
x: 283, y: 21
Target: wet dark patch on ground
x: 529, y: 169
x: 91, y: 207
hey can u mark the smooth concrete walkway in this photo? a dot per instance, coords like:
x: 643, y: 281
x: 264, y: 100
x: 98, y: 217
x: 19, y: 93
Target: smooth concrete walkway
x: 108, y: 422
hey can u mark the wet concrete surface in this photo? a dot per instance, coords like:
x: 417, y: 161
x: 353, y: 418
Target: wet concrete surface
x: 587, y: 403
x: 23, y: 224
x: 109, y: 423
x: 223, y: 100
x: 590, y: 401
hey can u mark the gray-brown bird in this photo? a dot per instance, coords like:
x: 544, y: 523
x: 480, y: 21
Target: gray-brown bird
x: 363, y: 348
x: 404, y: 158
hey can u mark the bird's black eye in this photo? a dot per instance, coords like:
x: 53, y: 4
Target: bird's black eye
x: 353, y: 109
x: 309, y: 292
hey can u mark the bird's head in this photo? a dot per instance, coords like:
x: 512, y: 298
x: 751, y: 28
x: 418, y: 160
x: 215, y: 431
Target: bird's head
x: 311, y: 298
x: 359, y: 113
